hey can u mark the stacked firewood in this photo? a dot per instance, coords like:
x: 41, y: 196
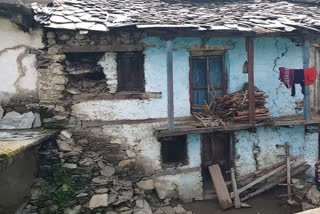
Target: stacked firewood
x: 230, y: 107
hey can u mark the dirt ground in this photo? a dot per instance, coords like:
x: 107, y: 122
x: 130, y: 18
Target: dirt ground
x: 267, y: 203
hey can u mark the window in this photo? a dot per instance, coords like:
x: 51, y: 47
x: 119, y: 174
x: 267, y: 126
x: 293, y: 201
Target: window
x: 174, y: 151
x: 130, y: 67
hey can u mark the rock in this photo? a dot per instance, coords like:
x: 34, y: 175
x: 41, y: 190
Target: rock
x: 146, y: 185
x: 145, y: 210
x: 64, y: 37
x: 100, y: 180
x: 82, y: 195
x: 165, y: 189
x: 63, y: 146
x: 102, y: 190
x: 313, y: 195
x: 66, y: 134
x: 83, y: 142
x: 126, y: 162
x: 179, y: 209
x: 165, y: 210
x: 74, y: 210
x: 51, y: 35
x: 70, y: 165
x: 14, y: 120
x: 86, y: 161
x: 1, y: 112
x: 98, y: 201
x: 107, y: 171
x: 306, y: 206
x: 73, y: 91
x: 139, y: 203
x: 130, y: 154
x: 126, y: 212
x: 37, y: 121
x: 35, y: 192
x: 111, y: 212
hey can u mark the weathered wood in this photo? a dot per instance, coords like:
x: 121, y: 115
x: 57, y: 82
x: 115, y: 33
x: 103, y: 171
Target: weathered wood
x: 115, y: 96
x: 296, y: 170
x: 102, y: 48
x: 250, y: 50
x: 262, y: 178
x: 169, y: 50
x: 220, y: 186
x: 260, y: 171
x: 237, y: 202
x: 306, y: 98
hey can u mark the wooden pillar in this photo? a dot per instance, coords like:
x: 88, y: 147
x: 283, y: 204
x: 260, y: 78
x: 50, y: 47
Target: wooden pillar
x: 252, y: 107
x: 306, y: 98
x: 169, y: 49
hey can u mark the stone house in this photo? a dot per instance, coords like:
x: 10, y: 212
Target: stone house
x: 102, y: 69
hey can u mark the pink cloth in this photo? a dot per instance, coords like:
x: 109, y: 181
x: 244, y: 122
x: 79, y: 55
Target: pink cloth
x: 286, y: 76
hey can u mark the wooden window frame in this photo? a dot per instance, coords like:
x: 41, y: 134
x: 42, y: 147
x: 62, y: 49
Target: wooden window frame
x: 207, y: 54
x: 120, y: 87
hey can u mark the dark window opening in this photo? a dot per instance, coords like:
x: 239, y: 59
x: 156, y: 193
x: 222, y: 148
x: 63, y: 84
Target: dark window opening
x: 130, y: 67
x: 84, y: 72
x: 174, y: 151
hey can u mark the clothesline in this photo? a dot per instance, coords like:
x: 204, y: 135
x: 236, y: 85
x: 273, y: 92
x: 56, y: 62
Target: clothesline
x: 290, y: 77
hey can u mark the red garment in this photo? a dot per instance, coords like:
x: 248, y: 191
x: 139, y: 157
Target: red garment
x: 310, y: 75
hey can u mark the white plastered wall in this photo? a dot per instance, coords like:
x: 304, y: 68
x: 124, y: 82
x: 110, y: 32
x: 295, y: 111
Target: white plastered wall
x: 18, y: 74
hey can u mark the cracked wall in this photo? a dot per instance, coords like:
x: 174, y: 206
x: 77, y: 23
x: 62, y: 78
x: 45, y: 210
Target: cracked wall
x: 258, y: 150
x: 18, y: 74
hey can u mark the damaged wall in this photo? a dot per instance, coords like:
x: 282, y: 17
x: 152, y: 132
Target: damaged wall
x: 255, y: 151
x: 18, y: 66
x: 135, y: 144
x: 270, y: 54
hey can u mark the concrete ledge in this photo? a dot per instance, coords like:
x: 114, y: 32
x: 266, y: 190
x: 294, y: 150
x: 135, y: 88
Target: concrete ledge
x: 15, y: 142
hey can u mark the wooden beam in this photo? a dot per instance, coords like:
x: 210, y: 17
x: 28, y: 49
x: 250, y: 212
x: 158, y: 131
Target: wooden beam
x: 169, y: 50
x: 237, y: 202
x: 252, y: 109
x: 102, y: 48
x: 306, y: 98
x: 220, y: 186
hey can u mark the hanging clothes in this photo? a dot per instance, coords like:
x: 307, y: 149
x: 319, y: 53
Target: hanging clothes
x: 298, y: 79
x: 286, y: 76
x: 310, y: 75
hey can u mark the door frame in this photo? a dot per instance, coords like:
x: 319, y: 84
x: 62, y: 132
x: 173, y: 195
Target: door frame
x: 207, y: 54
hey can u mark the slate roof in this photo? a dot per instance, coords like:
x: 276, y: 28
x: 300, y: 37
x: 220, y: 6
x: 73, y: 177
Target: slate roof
x: 259, y: 16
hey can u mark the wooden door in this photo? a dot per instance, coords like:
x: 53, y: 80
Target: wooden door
x: 206, y: 72
x: 215, y: 149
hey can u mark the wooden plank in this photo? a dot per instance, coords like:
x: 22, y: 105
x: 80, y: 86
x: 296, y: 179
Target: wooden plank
x: 169, y: 50
x: 102, y: 48
x: 306, y: 98
x: 262, y: 178
x: 237, y: 202
x: 296, y: 170
x: 250, y: 50
x: 260, y: 171
x: 220, y: 186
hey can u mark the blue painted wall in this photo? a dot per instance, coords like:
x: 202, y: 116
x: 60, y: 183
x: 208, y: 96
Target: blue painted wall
x: 253, y: 150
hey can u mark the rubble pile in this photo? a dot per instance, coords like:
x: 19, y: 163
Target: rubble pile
x: 231, y: 108
x: 307, y: 194
x: 15, y: 120
x: 74, y: 180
